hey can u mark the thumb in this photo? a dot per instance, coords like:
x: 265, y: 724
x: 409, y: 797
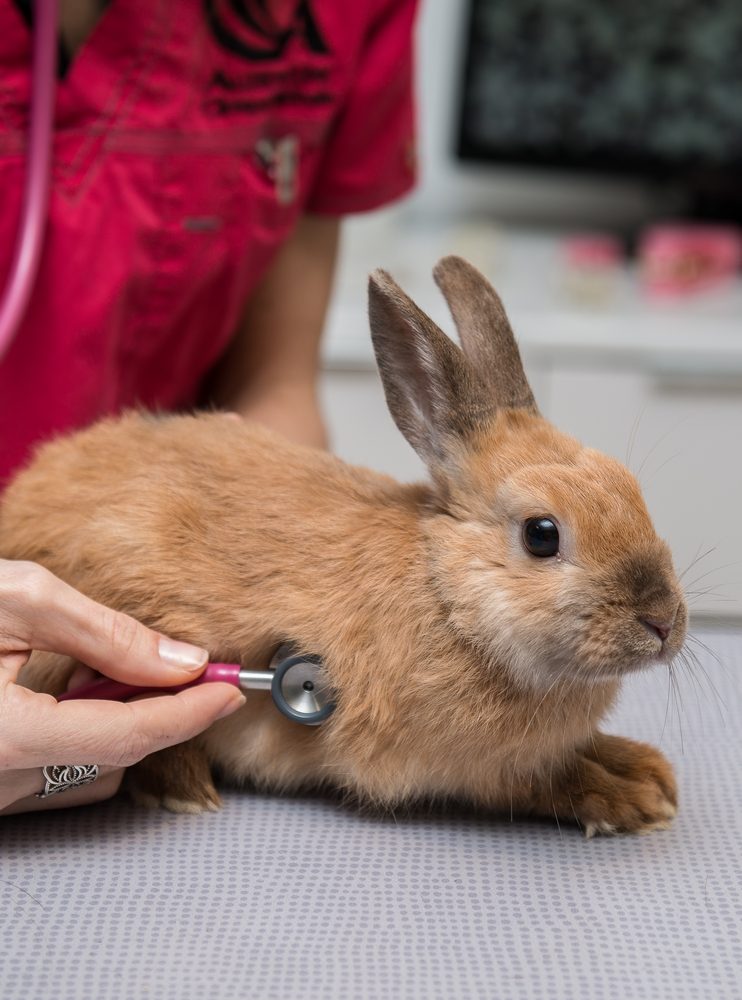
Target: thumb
x: 65, y: 621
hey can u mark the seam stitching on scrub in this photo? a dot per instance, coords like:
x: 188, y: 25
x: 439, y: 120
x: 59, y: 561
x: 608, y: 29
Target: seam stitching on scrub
x: 6, y: 92
x: 131, y: 76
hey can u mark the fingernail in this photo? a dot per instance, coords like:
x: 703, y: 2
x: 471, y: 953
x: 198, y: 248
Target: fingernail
x: 182, y: 654
x: 232, y: 705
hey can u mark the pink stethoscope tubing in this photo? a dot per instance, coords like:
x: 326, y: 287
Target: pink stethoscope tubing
x: 27, y: 251
x: 109, y: 690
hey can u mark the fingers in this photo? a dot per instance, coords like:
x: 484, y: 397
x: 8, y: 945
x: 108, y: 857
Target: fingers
x: 55, y: 617
x: 102, y: 732
x: 39, y: 611
x: 105, y: 786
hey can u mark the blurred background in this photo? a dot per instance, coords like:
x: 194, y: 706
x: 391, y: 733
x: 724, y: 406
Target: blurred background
x: 586, y: 156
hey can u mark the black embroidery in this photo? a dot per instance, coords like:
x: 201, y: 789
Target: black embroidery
x: 250, y: 32
x: 284, y: 66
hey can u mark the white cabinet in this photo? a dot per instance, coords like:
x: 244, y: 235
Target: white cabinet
x: 361, y: 430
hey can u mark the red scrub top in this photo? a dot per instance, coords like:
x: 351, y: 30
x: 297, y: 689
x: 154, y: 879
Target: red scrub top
x: 189, y: 138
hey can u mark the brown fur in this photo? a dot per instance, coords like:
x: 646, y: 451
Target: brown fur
x: 485, y: 332
x: 464, y: 667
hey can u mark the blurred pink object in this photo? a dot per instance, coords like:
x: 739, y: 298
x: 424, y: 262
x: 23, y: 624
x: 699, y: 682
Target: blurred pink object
x: 590, y: 264
x: 592, y: 250
x: 683, y: 259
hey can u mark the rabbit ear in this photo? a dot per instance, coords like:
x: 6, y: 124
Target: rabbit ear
x: 485, y: 332
x: 433, y: 393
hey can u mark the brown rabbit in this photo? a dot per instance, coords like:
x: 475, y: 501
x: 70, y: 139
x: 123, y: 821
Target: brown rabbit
x: 475, y: 629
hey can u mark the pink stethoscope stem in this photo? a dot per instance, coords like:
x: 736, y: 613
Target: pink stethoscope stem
x: 27, y: 251
x: 108, y: 690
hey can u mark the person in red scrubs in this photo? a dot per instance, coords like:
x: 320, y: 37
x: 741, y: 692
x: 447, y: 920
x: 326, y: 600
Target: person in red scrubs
x: 204, y: 154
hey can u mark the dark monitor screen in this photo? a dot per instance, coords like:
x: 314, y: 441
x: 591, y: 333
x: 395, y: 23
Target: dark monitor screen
x: 648, y: 87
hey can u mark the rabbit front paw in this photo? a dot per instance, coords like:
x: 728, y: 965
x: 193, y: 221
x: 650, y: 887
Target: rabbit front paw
x: 626, y: 787
x: 177, y: 779
x: 614, y: 785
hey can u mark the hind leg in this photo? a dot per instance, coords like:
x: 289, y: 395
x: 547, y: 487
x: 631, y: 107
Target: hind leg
x: 178, y: 779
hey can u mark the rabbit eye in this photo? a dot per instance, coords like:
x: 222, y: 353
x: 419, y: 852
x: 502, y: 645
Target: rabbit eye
x: 541, y: 536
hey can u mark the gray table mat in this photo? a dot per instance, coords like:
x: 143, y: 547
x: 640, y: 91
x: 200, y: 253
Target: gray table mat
x: 303, y: 898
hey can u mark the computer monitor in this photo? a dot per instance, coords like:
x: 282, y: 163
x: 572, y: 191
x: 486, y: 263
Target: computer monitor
x: 650, y: 89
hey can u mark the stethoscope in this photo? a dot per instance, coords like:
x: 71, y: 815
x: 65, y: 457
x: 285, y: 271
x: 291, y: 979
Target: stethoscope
x: 298, y: 685
x: 27, y: 250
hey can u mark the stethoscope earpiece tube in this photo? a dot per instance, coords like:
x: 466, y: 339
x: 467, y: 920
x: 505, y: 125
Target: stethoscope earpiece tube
x: 27, y: 253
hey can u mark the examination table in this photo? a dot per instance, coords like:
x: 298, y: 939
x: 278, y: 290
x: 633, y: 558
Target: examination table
x: 302, y: 897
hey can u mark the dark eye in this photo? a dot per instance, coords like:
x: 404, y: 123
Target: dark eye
x: 541, y: 536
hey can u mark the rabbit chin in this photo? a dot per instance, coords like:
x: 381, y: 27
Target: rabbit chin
x: 542, y: 662
x: 622, y: 661
x: 543, y: 647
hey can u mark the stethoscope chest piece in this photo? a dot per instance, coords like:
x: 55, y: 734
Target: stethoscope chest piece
x: 300, y: 690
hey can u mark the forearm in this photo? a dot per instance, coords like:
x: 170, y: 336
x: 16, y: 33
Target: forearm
x: 269, y: 371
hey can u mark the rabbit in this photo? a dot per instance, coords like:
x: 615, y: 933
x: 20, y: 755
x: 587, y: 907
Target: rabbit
x: 475, y: 628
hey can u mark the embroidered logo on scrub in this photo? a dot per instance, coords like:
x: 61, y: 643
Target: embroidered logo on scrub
x: 288, y: 54
x: 261, y: 29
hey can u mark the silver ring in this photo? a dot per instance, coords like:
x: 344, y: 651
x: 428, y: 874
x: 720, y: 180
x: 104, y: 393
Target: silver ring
x: 63, y: 777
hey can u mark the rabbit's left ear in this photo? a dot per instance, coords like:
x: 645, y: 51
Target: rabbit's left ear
x: 434, y: 394
x: 485, y: 332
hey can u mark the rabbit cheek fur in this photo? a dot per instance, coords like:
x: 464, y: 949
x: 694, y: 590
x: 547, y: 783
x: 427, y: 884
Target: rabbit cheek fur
x: 464, y: 666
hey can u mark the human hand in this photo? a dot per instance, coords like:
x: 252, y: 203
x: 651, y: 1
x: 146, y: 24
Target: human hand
x: 40, y: 612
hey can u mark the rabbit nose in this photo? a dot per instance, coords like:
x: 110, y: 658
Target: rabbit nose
x: 662, y: 628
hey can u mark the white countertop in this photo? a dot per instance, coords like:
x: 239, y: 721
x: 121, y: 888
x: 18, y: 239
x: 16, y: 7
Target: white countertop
x: 699, y: 335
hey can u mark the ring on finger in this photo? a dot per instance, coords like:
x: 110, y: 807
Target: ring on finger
x: 62, y: 777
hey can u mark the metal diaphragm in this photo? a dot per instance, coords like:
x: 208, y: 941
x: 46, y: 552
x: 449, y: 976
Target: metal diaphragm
x: 301, y: 691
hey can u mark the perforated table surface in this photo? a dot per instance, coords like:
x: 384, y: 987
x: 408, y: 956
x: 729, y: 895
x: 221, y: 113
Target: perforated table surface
x: 304, y: 898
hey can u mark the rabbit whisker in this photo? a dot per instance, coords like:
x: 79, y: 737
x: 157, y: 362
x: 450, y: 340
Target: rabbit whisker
x: 678, y: 702
x: 553, y: 803
x: 696, y: 559
x: 633, y: 433
x: 655, y: 446
x: 714, y: 569
x: 708, y: 591
x: 685, y: 666
x: 692, y: 660
x: 707, y: 649
x: 659, y: 468
x: 548, y: 691
x: 667, y: 702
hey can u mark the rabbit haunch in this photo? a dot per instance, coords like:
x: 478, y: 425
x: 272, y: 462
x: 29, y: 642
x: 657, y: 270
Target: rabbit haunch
x: 463, y: 665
